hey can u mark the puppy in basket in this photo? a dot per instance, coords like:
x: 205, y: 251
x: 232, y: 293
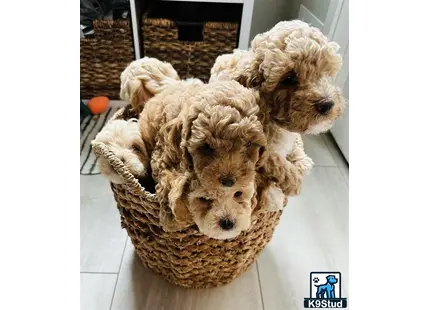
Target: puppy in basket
x: 146, y: 77
x: 140, y: 81
x: 287, y: 178
x: 205, y: 142
x: 124, y: 140
x: 293, y: 67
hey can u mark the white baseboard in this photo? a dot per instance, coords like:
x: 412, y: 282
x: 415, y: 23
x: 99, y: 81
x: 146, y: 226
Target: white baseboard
x: 307, y: 16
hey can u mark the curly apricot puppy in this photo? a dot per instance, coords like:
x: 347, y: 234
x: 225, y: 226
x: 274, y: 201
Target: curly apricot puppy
x: 210, y: 133
x: 210, y: 129
x: 293, y: 66
x: 124, y: 140
x: 146, y: 77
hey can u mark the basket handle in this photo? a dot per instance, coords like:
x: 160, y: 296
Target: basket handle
x: 100, y: 149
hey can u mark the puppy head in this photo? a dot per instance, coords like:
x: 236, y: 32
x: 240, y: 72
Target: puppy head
x: 224, y: 139
x: 144, y: 78
x: 124, y: 140
x: 294, y: 68
x: 221, y: 214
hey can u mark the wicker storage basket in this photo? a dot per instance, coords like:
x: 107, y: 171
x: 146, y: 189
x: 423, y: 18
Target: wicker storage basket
x: 185, y: 258
x: 104, y: 57
x: 190, y: 59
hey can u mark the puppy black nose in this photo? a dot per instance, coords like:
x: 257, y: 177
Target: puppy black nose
x: 227, y: 182
x: 323, y: 107
x: 226, y: 224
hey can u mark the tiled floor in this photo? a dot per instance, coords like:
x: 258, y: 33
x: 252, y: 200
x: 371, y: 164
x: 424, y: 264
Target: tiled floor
x: 312, y: 236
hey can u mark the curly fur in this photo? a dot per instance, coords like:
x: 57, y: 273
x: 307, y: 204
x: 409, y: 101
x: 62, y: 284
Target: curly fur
x: 142, y: 79
x: 171, y: 189
x: 293, y: 66
x: 199, y: 136
x: 124, y: 140
x: 289, y: 47
x: 229, y: 165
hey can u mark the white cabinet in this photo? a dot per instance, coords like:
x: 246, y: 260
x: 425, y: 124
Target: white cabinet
x: 339, y: 33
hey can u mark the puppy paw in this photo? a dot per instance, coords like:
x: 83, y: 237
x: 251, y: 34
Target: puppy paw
x: 273, y: 199
x: 304, y: 165
x: 299, y: 158
x: 292, y: 184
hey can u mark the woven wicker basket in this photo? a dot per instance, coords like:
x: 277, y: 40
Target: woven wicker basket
x: 104, y: 57
x: 185, y: 258
x: 190, y: 59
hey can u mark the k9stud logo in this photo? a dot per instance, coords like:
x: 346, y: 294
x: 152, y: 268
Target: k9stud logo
x: 325, y: 291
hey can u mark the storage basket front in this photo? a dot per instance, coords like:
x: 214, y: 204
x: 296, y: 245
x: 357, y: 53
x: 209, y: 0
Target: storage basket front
x: 162, y: 40
x: 104, y: 57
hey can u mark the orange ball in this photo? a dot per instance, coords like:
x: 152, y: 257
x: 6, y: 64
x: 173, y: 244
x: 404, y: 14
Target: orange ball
x: 98, y: 105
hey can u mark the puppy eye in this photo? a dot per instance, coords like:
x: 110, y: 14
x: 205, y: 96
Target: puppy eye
x: 136, y: 149
x: 290, y: 79
x: 248, y: 145
x: 206, y: 150
x: 238, y: 194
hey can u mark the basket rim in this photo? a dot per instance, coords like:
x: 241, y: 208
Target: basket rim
x: 100, y: 149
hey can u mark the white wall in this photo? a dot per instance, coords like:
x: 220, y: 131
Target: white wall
x: 318, y: 7
x: 267, y: 13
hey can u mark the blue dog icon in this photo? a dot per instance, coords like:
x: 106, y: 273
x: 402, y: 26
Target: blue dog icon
x: 327, y: 289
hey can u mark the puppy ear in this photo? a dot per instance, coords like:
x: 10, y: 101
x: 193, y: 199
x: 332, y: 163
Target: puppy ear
x: 172, y: 191
x: 188, y: 159
x: 251, y: 77
x: 262, y: 157
x: 178, y: 200
x: 138, y: 94
x: 174, y: 133
x: 171, y: 136
x: 185, y: 139
x: 188, y: 123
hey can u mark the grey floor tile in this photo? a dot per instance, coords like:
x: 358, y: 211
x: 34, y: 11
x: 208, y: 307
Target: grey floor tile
x: 102, y: 239
x: 139, y: 288
x: 316, y: 149
x: 312, y: 236
x: 97, y: 291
